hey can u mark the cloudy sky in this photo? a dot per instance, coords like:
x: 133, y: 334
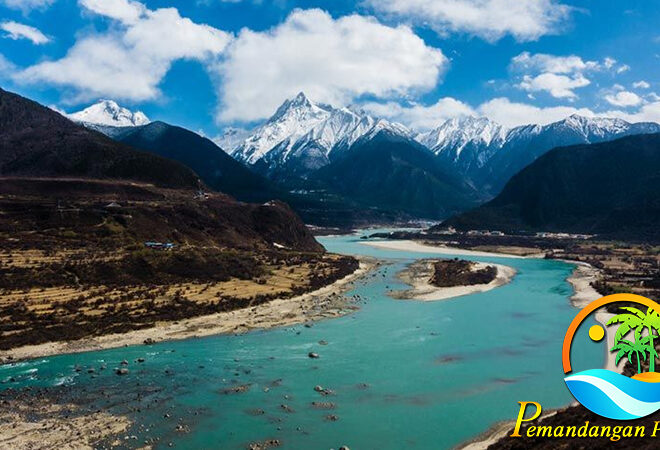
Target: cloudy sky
x: 209, y: 64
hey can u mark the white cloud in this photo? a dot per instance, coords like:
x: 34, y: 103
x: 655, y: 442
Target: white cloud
x: 641, y: 85
x: 559, y: 86
x: 130, y: 60
x: 125, y: 11
x: 526, y: 20
x: 331, y: 60
x: 649, y: 112
x: 501, y: 110
x: 511, y: 114
x: 543, y: 62
x: 27, y: 5
x: 420, y: 117
x: 609, y: 62
x: 560, y: 76
x: 623, y: 68
x: 624, y: 99
x: 17, y: 31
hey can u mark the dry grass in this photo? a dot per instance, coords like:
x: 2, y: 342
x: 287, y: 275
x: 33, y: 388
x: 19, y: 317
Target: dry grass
x: 43, y: 314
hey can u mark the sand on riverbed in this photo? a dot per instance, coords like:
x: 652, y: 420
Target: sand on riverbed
x: 417, y: 247
x: 418, y: 274
x: 323, y: 303
x: 581, y: 279
x: 42, y: 424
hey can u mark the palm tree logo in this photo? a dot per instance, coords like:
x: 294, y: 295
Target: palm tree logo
x: 636, y: 321
x: 609, y: 393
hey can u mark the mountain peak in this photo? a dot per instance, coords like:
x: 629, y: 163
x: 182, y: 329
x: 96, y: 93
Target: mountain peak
x: 109, y: 113
x: 455, y: 134
x: 300, y: 99
x: 300, y: 105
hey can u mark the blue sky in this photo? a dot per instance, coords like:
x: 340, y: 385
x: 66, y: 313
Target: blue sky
x: 209, y: 64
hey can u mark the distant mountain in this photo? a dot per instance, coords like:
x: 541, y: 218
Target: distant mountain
x: 395, y: 173
x: 36, y: 141
x: 109, y: 113
x: 524, y: 144
x: 215, y: 167
x: 303, y: 136
x: 231, y: 138
x: 488, y: 154
x: 610, y: 188
x: 467, y: 143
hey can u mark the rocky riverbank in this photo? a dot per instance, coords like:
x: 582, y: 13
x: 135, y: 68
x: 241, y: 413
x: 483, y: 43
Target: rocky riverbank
x: 326, y: 302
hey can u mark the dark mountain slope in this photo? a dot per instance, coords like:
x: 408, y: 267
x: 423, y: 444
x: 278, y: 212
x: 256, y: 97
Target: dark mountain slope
x: 397, y: 174
x: 36, y: 141
x: 50, y: 168
x: 216, y: 168
x: 610, y: 188
x: 526, y: 143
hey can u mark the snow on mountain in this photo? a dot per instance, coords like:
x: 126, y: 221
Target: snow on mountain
x: 525, y: 144
x: 465, y: 141
x: 231, y: 138
x: 301, y: 135
x: 456, y: 133
x: 292, y: 120
x: 469, y: 142
x: 109, y: 113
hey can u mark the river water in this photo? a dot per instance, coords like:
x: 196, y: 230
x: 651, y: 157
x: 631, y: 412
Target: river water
x: 405, y: 374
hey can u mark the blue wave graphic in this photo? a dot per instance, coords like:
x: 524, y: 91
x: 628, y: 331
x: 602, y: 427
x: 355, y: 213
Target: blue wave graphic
x: 613, y: 395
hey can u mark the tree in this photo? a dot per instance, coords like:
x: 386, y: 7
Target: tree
x: 635, y: 320
x: 652, y: 322
x: 630, y: 348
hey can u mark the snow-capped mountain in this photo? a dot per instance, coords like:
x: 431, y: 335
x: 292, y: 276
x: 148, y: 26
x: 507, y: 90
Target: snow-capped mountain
x: 458, y: 132
x: 292, y: 120
x: 465, y: 142
x: 302, y: 136
x: 108, y: 113
x: 522, y: 145
x: 231, y: 138
x: 488, y: 154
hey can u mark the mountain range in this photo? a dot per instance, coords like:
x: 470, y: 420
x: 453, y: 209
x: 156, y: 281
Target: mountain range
x: 609, y: 188
x: 303, y: 136
x: 315, y: 154
x: 311, y: 138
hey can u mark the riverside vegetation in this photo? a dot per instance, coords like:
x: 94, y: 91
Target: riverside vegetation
x: 458, y: 272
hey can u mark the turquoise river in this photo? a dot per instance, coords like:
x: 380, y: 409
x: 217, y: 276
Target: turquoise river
x: 405, y: 374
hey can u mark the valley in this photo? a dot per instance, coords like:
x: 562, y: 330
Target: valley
x: 247, y: 388
x: 329, y: 225
x: 99, y: 239
x: 119, y: 241
x: 342, y: 167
